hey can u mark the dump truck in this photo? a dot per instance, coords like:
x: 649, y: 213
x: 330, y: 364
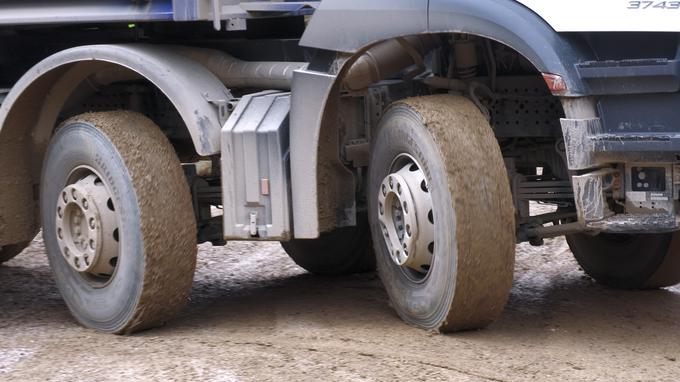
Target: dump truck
x: 411, y: 136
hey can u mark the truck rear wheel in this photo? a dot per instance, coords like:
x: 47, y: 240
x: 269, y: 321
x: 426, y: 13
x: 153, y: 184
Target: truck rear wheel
x: 441, y: 214
x: 342, y: 251
x: 639, y: 261
x: 118, y: 223
x: 8, y: 252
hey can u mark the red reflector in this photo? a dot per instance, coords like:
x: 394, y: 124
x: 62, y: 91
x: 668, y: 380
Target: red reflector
x: 555, y: 83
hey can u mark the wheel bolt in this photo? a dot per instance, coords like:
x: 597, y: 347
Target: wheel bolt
x: 85, y: 204
x: 92, y: 225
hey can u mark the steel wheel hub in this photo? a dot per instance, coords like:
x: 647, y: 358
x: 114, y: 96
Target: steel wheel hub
x: 406, y: 217
x: 87, y: 227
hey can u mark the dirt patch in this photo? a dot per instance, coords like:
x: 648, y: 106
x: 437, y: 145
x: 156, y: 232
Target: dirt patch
x: 255, y: 316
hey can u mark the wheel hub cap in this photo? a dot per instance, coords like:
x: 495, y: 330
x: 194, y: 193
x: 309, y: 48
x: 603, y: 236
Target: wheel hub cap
x: 86, y: 227
x: 406, y: 217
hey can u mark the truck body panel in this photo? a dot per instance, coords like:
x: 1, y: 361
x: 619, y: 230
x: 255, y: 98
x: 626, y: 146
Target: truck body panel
x: 608, y: 15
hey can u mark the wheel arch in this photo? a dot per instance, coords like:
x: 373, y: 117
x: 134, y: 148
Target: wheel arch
x: 518, y: 27
x: 350, y: 26
x: 29, y: 112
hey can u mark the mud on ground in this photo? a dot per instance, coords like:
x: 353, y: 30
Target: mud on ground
x: 255, y: 316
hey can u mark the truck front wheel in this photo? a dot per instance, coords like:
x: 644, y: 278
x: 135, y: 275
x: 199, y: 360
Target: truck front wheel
x: 118, y: 223
x: 441, y: 214
x: 629, y: 261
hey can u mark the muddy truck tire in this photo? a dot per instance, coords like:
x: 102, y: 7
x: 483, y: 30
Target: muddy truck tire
x: 8, y: 252
x: 342, y: 251
x: 629, y: 261
x: 441, y: 214
x: 118, y: 222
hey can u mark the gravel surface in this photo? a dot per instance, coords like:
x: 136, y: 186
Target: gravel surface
x: 256, y: 316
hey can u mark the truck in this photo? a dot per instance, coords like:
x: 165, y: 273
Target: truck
x: 410, y: 136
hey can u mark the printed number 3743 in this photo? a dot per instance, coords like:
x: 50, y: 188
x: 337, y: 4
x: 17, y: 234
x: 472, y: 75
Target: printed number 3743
x: 654, y: 4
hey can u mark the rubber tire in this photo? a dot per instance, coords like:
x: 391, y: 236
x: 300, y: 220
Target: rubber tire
x: 157, y: 227
x: 8, y: 252
x: 472, y: 270
x: 639, y: 261
x: 343, y: 251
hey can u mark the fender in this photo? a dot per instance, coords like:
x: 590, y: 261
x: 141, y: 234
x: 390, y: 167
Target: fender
x: 29, y: 113
x: 516, y: 26
x: 349, y: 26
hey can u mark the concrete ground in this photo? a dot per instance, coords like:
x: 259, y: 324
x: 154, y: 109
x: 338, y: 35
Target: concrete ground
x: 256, y: 316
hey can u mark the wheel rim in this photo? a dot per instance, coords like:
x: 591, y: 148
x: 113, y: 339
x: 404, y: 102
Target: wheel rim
x: 87, y: 226
x: 406, y: 217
